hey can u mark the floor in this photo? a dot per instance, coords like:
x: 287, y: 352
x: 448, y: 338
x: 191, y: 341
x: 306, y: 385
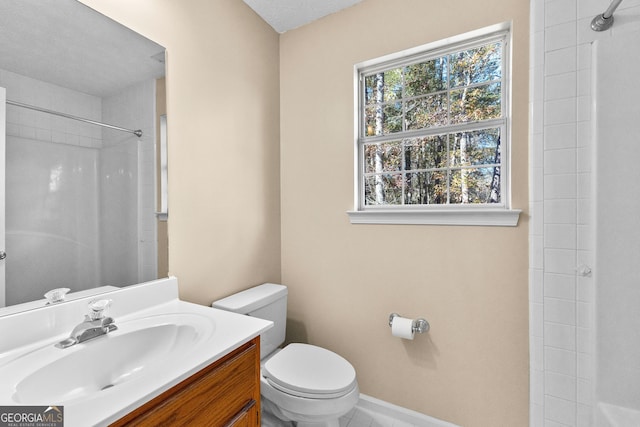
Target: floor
x: 358, y: 417
x: 362, y: 417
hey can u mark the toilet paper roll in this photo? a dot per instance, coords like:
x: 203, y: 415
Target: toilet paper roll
x: 402, y: 327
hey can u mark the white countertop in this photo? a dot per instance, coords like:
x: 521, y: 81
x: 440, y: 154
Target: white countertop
x: 27, y: 343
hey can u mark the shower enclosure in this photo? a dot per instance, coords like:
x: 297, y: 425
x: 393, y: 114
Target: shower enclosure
x: 617, y: 230
x: 584, y: 232
x: 80, y: 199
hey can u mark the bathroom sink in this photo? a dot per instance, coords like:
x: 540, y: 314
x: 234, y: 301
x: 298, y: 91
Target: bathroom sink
x: 137, y: 349
x: 160, y: 342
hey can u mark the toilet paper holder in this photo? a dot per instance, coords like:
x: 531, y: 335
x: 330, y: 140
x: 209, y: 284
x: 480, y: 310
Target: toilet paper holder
x: 419, y: 325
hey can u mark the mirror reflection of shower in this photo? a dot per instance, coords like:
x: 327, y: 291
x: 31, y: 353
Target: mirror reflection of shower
x: 82, y: 113
x: 79, y: 197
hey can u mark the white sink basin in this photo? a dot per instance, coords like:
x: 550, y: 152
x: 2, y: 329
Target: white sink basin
x: 137, y: 349
x: 160, y: 341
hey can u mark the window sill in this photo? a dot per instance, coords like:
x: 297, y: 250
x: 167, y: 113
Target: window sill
x: 478, y: 217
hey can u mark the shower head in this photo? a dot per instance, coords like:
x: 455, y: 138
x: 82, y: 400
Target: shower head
x: 600, y: 23
x: 604, y: 21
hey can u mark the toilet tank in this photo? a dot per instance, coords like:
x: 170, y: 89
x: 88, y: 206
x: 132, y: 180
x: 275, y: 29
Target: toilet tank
x: 267, y: 301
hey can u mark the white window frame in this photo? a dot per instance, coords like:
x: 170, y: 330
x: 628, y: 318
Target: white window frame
x: 500, y: 214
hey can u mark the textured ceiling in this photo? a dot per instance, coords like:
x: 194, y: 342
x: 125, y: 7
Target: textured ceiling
x: 69, y: 44
x: 284, y: 15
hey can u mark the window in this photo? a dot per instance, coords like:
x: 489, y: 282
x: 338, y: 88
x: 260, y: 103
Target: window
x: 433, y: 140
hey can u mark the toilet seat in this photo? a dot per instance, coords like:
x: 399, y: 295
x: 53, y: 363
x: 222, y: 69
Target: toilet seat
x: 309, y: 371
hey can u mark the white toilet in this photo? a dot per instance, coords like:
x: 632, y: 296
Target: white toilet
x: 303, y: 383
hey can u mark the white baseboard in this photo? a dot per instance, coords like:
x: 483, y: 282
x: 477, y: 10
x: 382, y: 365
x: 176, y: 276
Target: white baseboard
x: 399, y: 413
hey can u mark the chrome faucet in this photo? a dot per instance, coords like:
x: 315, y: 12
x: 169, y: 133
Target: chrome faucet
x: 95, y: 324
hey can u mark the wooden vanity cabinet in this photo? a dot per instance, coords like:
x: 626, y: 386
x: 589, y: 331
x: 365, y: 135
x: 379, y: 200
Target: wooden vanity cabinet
x: 224, y: 394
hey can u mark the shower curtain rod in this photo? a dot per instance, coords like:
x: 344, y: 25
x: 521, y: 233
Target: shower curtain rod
x: 605, y: 21
x: 137, y: 132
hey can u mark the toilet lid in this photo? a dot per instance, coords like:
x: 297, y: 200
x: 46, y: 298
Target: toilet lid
x: 309, y: 371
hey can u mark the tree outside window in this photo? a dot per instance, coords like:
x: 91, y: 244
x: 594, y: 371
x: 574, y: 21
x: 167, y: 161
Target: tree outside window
x: 431, y: 130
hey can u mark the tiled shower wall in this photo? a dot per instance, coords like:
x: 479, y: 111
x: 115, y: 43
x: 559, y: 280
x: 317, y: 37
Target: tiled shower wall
x: 561, y: 235
x: 34, y: 125
x: 133, y: 108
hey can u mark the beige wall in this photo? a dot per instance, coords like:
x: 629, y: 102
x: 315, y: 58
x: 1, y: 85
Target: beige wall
x: 223, y: 130
x: 344, y: 280
x: 224, y: 104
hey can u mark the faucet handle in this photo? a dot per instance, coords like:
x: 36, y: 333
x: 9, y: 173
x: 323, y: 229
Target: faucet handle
x: 56, y: 295
x: 97, y: 308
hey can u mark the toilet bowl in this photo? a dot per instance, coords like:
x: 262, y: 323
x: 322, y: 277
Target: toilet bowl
x: 309, y: 385
x: 303, y: 383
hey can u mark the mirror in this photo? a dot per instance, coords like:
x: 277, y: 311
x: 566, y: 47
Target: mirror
x: 81, y: 200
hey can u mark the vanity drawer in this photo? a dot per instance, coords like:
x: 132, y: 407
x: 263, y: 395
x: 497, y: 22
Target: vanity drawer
x: 225, y: 393
x: 247, y: 417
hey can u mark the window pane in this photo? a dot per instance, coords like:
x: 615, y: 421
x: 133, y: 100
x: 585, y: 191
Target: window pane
x: 475, y: 103
x: 475, y: 148
x: 383, y: 87
x: 473, y: 185
x: 370, y: 90
x: 392, y: 118
x: 481, y: 64
x: 385, y: 157
x: 426, y: 77
x: 426, y: 112
x: 425, y: 153
x: 383, y: 119
x: 384, y: 189
x: 370, y: 121
x: 393, y: 85
x: 426, y: 188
